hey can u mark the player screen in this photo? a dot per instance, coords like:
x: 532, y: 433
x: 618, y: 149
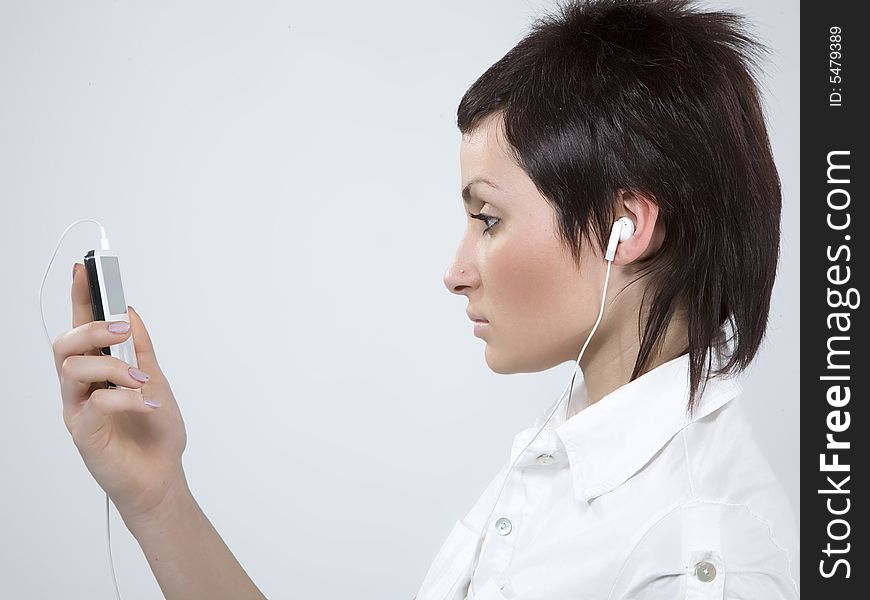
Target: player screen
x: 114, y: 291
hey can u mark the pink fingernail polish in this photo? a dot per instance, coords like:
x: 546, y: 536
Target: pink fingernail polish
x: 119, y: 327
x: 138, y: 375
x: 152, y: 402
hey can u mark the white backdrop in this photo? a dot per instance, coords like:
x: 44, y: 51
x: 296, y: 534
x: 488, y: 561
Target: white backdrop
x: 281, y: 180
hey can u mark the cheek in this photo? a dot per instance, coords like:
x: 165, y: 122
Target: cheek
x: 531, y: 286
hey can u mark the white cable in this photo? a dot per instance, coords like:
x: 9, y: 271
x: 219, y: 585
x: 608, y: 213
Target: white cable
x: 104, y: 245
x: 109, y: 545
x: 552, y: 412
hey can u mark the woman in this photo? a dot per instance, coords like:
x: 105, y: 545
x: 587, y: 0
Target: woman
x: 612, y: 121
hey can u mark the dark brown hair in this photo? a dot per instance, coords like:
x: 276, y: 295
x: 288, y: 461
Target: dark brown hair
x: 659, y: 98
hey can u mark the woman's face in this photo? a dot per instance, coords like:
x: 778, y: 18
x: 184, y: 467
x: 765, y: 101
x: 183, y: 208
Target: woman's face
x: 519, y: 276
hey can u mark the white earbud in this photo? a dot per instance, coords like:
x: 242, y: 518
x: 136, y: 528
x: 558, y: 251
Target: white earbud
x: 623, y: 228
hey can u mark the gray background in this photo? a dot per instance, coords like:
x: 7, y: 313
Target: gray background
x: 281, y: 181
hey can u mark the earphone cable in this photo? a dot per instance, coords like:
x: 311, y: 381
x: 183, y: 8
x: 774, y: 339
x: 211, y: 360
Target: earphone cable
x: 552, y: 412
x: 104, y: 245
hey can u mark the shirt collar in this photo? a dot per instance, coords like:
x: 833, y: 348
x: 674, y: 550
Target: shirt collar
x: 609, y: 441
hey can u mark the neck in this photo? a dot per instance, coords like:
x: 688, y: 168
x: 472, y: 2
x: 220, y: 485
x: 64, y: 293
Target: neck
x: 608, y: 361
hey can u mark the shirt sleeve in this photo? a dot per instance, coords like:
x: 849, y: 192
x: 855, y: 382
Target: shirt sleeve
x: 708, y: 550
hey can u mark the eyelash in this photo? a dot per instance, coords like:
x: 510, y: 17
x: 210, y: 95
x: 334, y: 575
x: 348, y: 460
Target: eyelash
x: 485, y: 218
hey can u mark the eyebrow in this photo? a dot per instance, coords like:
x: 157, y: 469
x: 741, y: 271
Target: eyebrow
x: 466, y: 192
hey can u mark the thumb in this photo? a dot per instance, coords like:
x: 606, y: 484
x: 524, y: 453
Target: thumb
x: 145, y: 354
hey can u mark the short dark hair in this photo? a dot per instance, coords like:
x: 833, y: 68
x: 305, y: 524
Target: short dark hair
x: 659, y: 98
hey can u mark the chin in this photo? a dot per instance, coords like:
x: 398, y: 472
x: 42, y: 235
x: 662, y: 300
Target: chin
x: 517, y: 363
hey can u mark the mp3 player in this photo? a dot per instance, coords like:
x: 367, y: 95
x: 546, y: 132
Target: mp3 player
x: 108, y: 302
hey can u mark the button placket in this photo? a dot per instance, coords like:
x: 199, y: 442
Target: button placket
x: 501, y: 531
x: 493, y: 589
x: 519, y: 499
x: 544, y: 450
x: 503, y: 526
x: 544, y: 459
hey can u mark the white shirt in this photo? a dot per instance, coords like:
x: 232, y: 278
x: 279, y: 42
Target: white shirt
x: 629, y: 499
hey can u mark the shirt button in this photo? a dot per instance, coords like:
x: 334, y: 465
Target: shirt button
x: 503, y: 526
x: 705, y: 571
x: 545, y: 459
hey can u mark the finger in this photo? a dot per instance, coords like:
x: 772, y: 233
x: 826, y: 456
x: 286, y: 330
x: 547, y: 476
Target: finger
x: 85, y: 339
x: 81, y: 297
x: 80, y: 372
x: 145, y: 355
x: 101, y: 404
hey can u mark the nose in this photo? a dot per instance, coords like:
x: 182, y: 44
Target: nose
x: 458, y: 280
x: 462, y: 274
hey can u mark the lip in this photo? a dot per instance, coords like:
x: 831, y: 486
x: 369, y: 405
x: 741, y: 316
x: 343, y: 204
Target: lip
x: 480, y: 327
x: 475, y: 317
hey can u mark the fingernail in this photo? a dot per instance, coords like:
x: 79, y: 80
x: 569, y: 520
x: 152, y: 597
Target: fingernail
x: 119, y: 327
x: 74, y: 271
x: 138, y: 375
x: 152, y: 402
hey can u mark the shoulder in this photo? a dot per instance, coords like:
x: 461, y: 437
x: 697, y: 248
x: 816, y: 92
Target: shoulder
x: 722, y: 455
x: 731, y: 532
x: 709, y: 549
x: 728, y: 470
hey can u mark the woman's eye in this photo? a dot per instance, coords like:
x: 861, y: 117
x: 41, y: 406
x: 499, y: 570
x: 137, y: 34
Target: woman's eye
x: 486, y: 219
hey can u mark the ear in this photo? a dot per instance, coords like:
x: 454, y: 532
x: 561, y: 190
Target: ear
x: 648, y: 229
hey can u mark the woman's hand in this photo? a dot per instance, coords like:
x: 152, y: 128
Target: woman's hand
x: 132, y: 450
